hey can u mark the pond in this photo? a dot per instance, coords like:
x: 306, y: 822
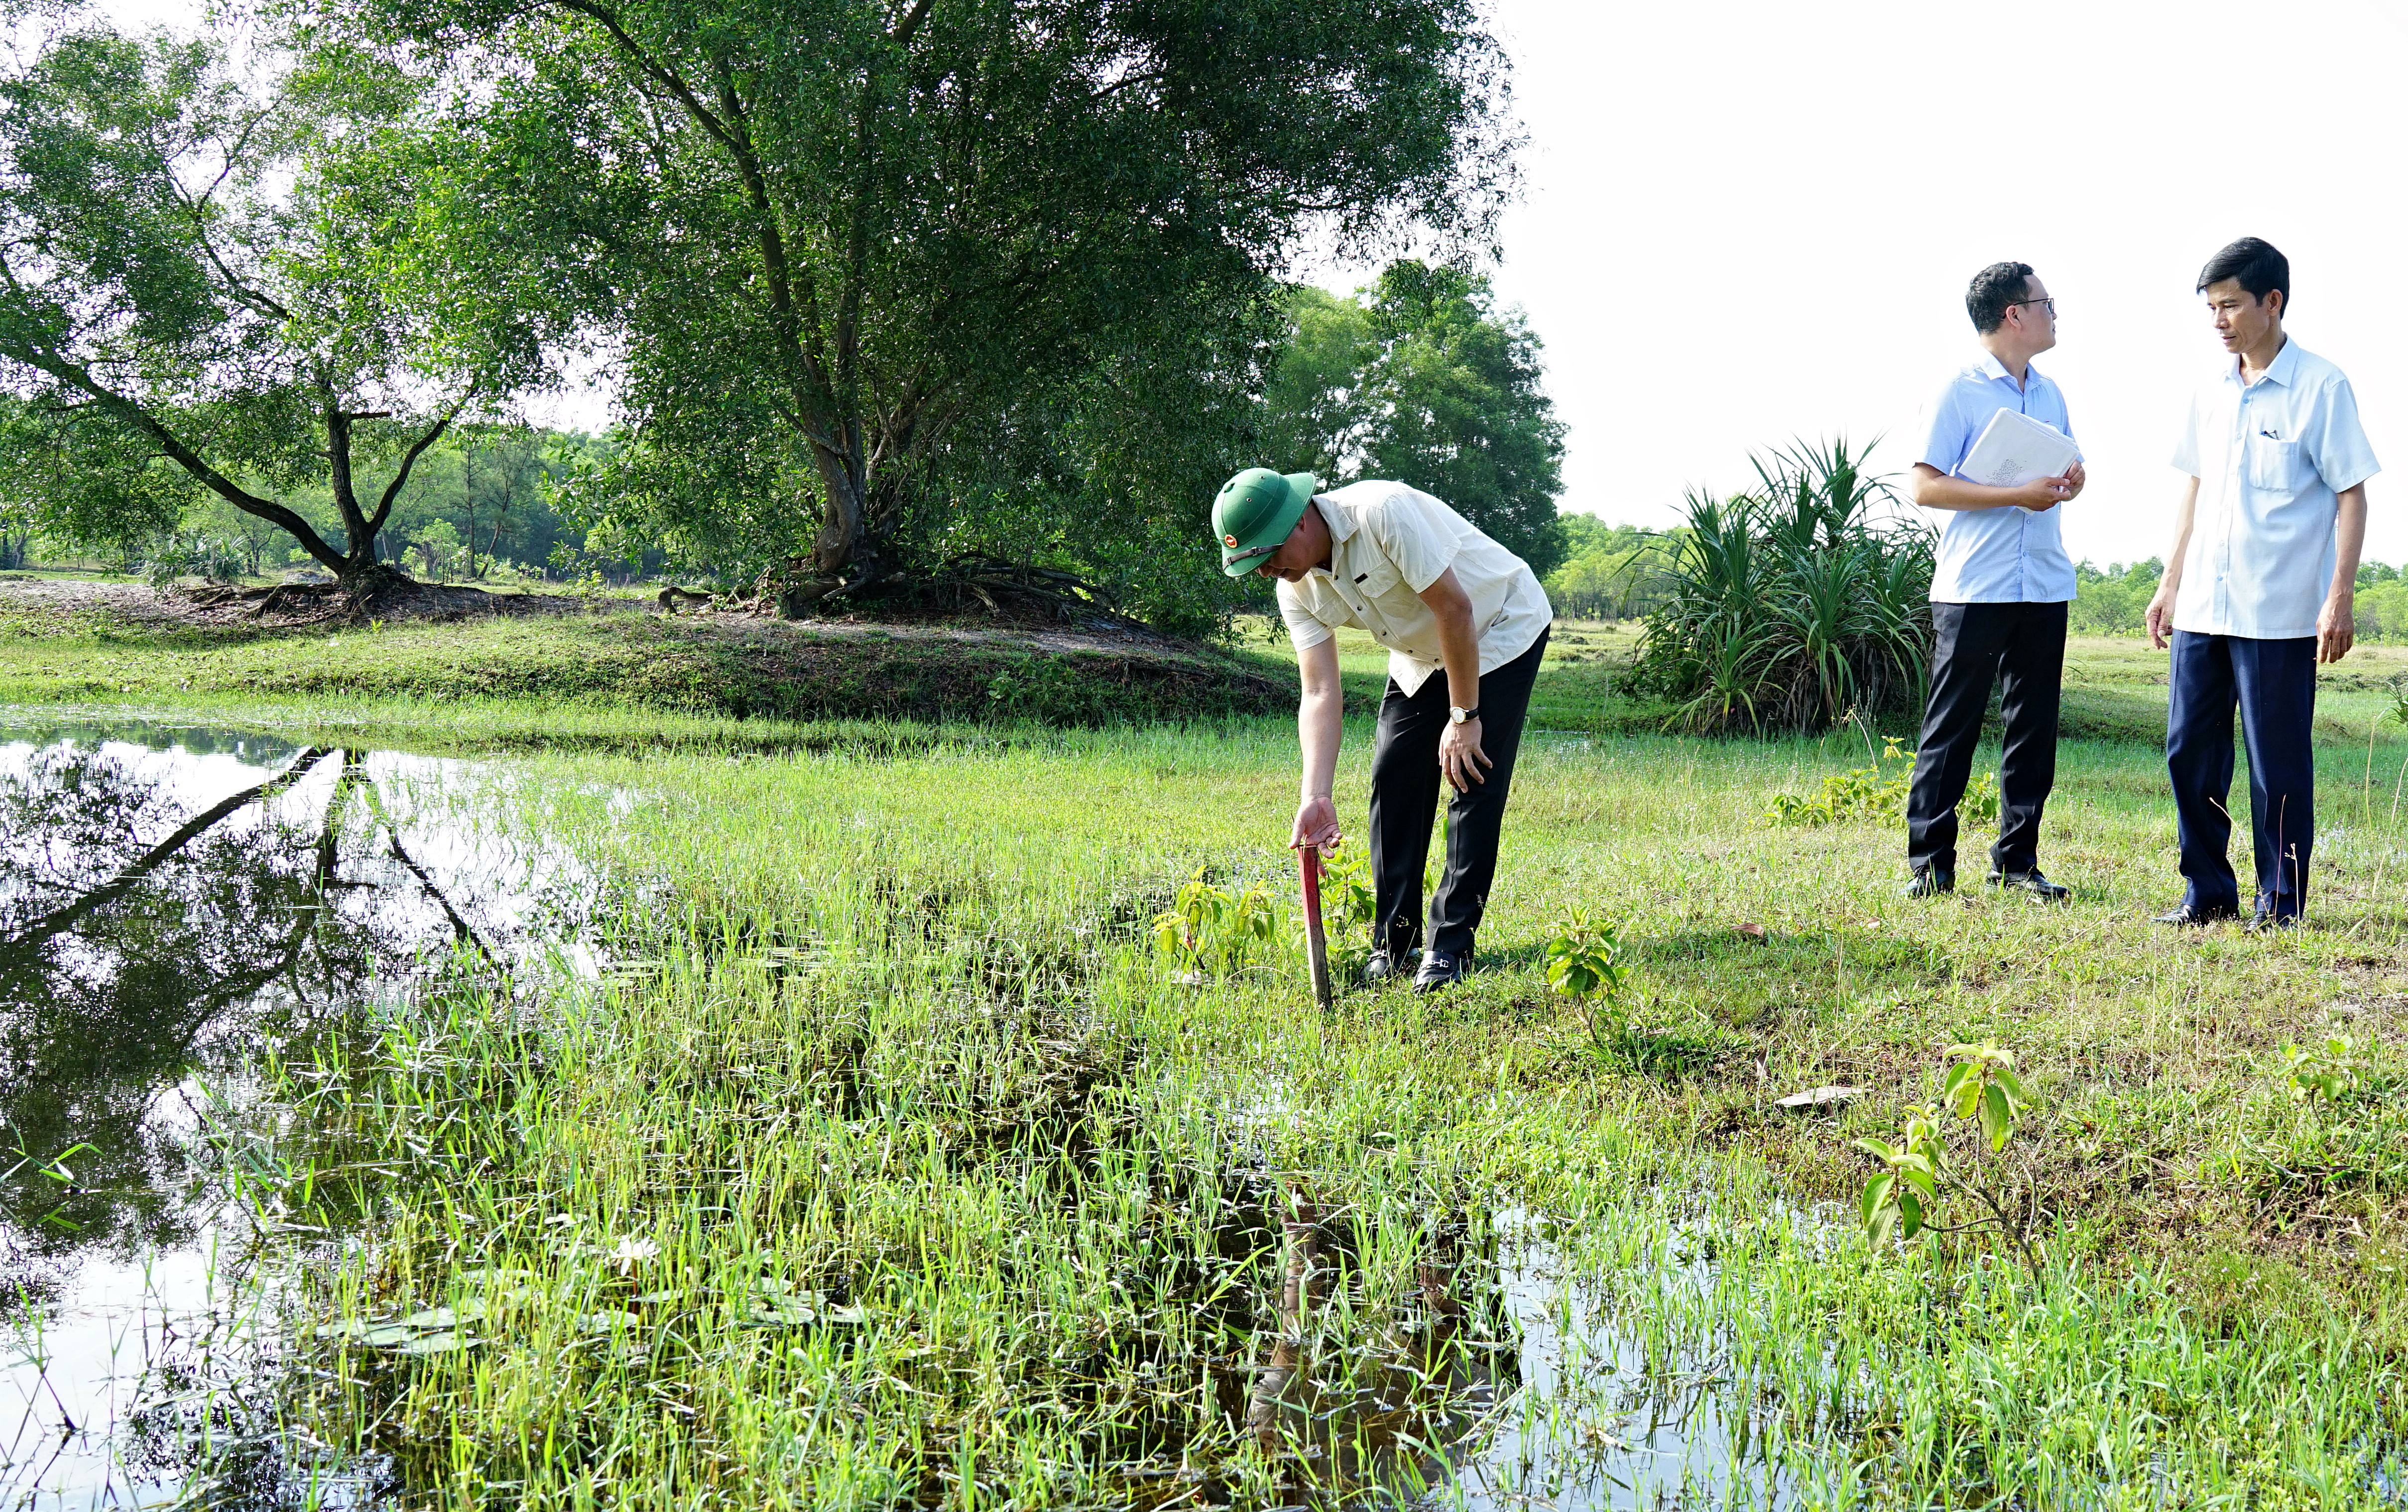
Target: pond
x: 175, y: 904
x: 181, y: 907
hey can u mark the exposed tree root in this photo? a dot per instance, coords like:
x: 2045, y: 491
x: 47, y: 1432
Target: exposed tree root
x: 381, y: 594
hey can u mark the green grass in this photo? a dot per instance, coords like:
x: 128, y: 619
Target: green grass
x: 889, y: 1033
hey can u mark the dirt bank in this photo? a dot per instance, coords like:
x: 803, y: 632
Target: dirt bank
x: 79, y: 640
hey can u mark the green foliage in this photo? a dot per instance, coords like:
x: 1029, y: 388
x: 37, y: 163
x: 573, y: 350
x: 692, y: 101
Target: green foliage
x: 842, y: 236
x: 233, y: 284
x: 1420, y: 378
x: 1216, y: 931
x: 1792, y: 607
x: 2113, y: 602
x: 2381, y: 604
x: 1918, y: 1169
x: 1585, y: 964
x: 1611, y: 572
x: 1348, y: 901
x: 1878, y: 791
x: 212, y: 558
x: 2326, y: 1072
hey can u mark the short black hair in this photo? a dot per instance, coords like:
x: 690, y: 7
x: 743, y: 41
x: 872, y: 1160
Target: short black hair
x: 1993, y: 290
x: 2255, y: 264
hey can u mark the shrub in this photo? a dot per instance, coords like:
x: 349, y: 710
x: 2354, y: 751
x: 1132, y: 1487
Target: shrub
x: 1793, y: 605
x: 209, y: 557
x: 1878, y: 791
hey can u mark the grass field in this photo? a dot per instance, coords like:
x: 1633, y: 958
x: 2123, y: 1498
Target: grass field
x: 892, y: 1166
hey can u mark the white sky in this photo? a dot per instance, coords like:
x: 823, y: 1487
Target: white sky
x: 1753, y: 220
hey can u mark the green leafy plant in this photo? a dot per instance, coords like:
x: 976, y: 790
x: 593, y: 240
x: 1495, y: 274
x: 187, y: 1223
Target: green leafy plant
x: 1878, y: 791
x: 197, y: 555
x: 2326, y: 1072
x: 1791, y: 603
x: 1347, y: 899
x: 1213, y: 931
x: 1585, y: 964
x: 1918, y: 1171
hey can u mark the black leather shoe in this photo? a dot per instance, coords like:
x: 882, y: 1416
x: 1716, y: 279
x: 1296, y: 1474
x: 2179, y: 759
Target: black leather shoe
x: 2031, y: 884
x: 2196, y: 917
x: 1383, y: 966
x: 1929, y: 882
x: 1439, y: 970
x: 2267, y: 921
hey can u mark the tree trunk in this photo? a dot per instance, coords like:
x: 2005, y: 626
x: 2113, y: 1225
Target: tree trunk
x: 844, y: 517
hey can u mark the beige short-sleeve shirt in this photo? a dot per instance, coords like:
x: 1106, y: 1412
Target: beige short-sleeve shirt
x: 1388, y: 542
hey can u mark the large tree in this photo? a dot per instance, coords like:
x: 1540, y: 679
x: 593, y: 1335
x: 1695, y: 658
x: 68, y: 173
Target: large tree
x: 837, y: 230
x: 243, y: 282
x: 1423, y: 380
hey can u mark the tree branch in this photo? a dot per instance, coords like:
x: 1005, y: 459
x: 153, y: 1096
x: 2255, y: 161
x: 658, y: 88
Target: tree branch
x: 129, y: 413
x: 910, y: 22
x: 659, y: 73
x: 409, y: 460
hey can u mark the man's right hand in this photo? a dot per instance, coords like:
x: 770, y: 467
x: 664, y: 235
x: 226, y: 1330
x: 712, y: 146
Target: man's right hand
x: 2161, y: 616
x: 2043, y: 494
x: 1316, y: 825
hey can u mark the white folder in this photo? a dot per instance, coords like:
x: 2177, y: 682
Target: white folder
x: 2014, y: 450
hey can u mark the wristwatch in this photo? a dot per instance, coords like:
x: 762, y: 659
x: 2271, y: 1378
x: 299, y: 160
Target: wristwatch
x: 1463, y: 715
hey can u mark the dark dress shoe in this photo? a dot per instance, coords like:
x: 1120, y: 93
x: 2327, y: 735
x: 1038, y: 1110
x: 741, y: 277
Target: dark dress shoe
x: 1928, y: 882
x: 1383, y: 966
x: 2197, y: 917
x: 2266, y: 921
x: 2031, y: 884
x: 1439, y: 970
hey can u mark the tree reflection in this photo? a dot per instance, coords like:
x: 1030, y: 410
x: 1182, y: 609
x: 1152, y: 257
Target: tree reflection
x: 149, y: 945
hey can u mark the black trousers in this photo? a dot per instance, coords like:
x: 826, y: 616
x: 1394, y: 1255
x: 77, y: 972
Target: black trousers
x: 1974, y: 646
x: 2274, y: 684
x: 1405, y: 787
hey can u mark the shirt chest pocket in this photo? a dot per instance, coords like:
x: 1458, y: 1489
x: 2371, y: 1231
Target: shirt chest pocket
x: 2277, y: 467
x: 1374, y: 582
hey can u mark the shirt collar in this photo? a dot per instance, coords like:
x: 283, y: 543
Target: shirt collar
x: 1342, y: 530
x: 1990, y: 367
x: 2285, y: 366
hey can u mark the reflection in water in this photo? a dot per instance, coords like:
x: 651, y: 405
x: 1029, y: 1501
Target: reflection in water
x: 168, y: 911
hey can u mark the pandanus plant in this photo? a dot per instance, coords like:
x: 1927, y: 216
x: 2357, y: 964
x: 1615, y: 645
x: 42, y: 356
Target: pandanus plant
x: 1792, y: 603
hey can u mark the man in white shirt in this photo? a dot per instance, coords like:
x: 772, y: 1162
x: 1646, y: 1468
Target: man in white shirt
x: 1465, y: 623
x: 2000, y: 585
x: 2261, y: 586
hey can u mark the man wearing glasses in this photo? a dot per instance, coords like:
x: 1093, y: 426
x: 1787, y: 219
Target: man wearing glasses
x: 1999, y: 592
x: 2261, y: 586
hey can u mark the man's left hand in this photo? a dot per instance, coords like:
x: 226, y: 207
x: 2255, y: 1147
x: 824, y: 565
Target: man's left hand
x: 2075, y: 478
x: 1461, y: 758
x: 2336, y: 628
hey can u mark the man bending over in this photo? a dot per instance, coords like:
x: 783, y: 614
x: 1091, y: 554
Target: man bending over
x: 1465, y: 623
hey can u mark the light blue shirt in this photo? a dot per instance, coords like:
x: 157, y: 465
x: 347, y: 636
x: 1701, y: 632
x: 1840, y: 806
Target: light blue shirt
x: 2007, y: 555
x: 2270, y: 457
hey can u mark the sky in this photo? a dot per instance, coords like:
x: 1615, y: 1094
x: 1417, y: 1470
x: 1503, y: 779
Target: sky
x: 1752, y: 221
x: 1745, y: 223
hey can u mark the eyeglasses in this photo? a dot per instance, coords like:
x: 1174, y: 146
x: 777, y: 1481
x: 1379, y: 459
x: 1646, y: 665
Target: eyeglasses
x: 2050, y: 303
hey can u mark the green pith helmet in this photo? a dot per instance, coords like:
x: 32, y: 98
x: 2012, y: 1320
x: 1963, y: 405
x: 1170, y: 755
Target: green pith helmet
x: 1255, y: 513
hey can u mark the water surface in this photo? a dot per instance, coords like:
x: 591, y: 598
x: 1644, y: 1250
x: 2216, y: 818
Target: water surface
x: 176, y: 902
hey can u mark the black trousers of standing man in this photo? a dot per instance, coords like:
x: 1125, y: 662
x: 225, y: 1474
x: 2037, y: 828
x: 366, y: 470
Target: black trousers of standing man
x: 1973, y: 645
x: 1405, y: 787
